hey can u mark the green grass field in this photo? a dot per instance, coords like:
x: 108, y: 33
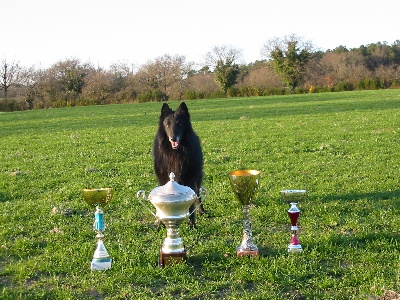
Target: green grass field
x: 343, y: 148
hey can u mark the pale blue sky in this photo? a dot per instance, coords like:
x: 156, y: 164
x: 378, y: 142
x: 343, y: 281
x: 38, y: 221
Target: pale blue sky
x: 42, y: 32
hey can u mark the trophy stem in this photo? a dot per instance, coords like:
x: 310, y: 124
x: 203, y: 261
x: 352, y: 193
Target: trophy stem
x: 101, y: 259
x: 247, y: 247
x: 172, y: 249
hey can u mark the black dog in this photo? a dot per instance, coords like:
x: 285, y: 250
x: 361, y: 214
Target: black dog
x: 177, y: 149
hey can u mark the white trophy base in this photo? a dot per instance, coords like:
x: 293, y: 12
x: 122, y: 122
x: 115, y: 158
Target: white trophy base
x: 97, y: 265
x: 295, y: 248
x: 101, y: 260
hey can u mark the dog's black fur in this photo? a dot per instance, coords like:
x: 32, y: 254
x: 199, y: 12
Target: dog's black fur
x: 177, y: 149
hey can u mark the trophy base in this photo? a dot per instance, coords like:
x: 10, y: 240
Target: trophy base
x: 167, y: 259
x: 246, y: 252
x: 295, y: 248
x: 101, y: 264
x: 294, y: 245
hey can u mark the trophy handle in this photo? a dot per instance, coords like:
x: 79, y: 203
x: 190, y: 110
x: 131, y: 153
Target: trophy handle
x: 142, y: 194
x: 203, y: 193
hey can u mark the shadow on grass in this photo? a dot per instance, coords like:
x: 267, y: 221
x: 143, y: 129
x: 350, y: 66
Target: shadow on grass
x: 268, y: 252
x: 223, y: 259
x: 5, y: 197
x: 368, y: 238
x: 358, y: 196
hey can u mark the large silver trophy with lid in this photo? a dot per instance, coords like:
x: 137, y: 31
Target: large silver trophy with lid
x: 244, y: 184
x: 172, y: 202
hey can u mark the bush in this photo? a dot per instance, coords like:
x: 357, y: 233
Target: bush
x: 343, y: 86
x: 248, y: 91
x: 232, y: 92
x: 368, y: 84
x: 395, y: 84
x: 300, y: 90
x: 190, y: 95
x: 12, y: 105
x: 153, y: 95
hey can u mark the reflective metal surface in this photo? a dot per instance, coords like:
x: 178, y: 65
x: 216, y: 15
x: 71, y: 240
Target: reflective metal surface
x: 244, y: 185
x: 172, y: 202
x: 95, y: 197
x: 293, y: 195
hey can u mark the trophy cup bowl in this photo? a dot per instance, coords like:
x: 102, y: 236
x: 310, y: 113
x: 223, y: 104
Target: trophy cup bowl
x: 172, y: 202
x: 99, y: 198
x: 293, y: 195
x: 95, y: 197
x: 244, y: 184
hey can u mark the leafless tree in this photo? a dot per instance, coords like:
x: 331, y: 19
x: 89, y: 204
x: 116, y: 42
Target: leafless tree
x: 223, y: 53
x: 261, y: 77
x: 345, y: 66
x: 166, y: 74
x: 10, y: 75
x: 98, y: 87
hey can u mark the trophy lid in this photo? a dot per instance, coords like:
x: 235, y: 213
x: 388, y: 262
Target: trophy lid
x: 293, y: 193
x: 172, y: 188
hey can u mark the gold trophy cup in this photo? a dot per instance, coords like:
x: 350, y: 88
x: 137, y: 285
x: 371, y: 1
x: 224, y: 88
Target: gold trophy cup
x: 244, y: 184
x: 99, y: 198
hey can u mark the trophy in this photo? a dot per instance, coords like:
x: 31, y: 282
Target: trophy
x: 172, y: 202
x: 244, y: 185
x: 99, y: 198
x: 293, y: 197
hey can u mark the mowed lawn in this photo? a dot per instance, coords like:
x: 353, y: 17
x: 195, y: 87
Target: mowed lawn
x: 343, y: 148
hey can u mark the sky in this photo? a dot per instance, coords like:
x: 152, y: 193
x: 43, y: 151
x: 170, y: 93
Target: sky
x: 43, y: 32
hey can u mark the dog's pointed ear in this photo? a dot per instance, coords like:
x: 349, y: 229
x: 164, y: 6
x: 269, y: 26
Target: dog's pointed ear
x: 182, y: 109
x: 165, y: 110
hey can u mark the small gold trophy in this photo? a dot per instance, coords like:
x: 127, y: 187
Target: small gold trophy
x: 244, y: 184
x: 99, y: 198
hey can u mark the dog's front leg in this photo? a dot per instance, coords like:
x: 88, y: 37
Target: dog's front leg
x: 192, y: 217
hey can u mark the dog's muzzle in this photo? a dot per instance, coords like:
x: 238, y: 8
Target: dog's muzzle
x: 174, y: 143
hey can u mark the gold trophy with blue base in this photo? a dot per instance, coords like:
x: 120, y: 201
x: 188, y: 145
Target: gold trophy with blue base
x: 99, y: 198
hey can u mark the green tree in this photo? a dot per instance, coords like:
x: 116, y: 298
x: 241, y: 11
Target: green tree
x: 226, y: 74
x: 288, y: 57
x: 223, y: 59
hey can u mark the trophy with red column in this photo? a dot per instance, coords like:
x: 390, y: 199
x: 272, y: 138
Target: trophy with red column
x: 293, y: 197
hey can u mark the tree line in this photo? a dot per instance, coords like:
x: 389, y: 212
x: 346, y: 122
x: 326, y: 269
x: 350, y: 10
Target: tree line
x: 290, y: 64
